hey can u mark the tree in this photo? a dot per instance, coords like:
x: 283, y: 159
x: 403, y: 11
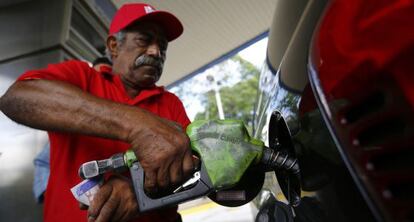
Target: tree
x: 238, y: 82
x: 238, y: 99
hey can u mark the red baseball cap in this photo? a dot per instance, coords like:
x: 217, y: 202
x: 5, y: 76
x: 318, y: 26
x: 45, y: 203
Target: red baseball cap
x: 130, y: 13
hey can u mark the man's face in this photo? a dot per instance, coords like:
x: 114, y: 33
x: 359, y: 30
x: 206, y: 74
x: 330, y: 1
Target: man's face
x: 140, y: 57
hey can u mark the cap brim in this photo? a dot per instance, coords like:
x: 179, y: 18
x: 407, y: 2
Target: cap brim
x: 170, y: 24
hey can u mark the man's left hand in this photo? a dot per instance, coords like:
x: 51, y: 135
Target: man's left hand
x: 115, y: 201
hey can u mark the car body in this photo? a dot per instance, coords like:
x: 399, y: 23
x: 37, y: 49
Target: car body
x: 349, y: 116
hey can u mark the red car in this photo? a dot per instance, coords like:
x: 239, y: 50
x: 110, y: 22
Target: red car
x: 338, y: 93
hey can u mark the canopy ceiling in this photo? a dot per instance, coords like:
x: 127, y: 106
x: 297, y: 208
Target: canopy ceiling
x: 212, y: 28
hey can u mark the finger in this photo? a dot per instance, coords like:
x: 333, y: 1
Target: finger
x: 188, y: 166
x: 128, y: 206
x: 120, y: 213
x: 123, y: 212
x: 150, y: 183
x: 176, y: 171
x: 122, y: 217
x: 98, y: 201
x: 163, y: 175
x: 109, y: 209
x: 83, y: 206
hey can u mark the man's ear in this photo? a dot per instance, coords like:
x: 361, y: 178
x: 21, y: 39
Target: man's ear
x: 112, y: 46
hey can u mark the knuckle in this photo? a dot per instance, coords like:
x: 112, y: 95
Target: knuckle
x: 185, y: 141
x: 182, y: 145
x: 188, y: 168
x: 150, y: 165
x: 163, y: 183
x: 111, y: 203
x: 176, y: 179
x: 124, y: 186
x: 131, y: 199
x: 150, y: 184
x: 108, y: 209
x: 134, y: 206
x: 158, y: 161
x: 105, y: 215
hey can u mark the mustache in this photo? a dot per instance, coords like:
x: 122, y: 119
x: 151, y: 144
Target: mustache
x: 150, y: 61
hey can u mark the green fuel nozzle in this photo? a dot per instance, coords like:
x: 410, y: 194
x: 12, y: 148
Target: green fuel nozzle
x: 226, y: 152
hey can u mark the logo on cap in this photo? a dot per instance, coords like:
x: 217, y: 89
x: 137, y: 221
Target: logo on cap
x: 148, y: 9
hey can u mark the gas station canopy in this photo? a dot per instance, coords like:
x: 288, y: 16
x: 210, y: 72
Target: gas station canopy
x: 211, y: 30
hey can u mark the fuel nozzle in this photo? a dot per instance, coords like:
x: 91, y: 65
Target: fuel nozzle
x: 116, y: 163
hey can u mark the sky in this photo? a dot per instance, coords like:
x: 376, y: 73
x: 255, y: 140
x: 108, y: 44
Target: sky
x: 256, y: 53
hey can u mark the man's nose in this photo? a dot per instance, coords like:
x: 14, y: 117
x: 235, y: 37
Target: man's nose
x: 154, y: 50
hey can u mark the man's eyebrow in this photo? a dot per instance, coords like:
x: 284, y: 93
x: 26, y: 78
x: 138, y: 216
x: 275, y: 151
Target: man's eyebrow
x: 152, y: 35
x: 144, y: 33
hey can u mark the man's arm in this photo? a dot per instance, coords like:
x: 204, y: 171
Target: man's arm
x: 58, y: 106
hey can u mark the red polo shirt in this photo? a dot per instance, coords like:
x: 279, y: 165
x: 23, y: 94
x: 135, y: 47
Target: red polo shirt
x: 69, y: 151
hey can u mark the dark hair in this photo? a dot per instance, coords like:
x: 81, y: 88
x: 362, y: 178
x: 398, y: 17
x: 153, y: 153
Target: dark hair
x: 101, y: 60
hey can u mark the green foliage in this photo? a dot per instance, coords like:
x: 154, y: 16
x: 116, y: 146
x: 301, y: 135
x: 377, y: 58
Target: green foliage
x: 239, y: 99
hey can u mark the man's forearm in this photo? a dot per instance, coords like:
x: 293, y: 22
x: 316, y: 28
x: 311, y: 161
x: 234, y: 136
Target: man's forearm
x: 59, y: 106
x: 162, y: 149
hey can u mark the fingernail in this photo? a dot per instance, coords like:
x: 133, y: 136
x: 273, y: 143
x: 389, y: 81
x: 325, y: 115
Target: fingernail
x: 91, y: 218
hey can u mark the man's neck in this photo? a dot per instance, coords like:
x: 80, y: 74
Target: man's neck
x: 130, y: 89
x: 132, y: 92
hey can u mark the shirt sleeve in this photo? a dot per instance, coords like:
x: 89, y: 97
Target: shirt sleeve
x: 74, y: 72
x: 179, y: 113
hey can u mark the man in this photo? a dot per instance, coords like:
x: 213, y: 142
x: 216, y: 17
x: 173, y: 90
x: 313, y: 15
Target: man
x: 90, y: 115
x: 41, y: 162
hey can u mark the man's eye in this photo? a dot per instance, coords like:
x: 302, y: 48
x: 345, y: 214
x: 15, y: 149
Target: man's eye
x: 142, y: 41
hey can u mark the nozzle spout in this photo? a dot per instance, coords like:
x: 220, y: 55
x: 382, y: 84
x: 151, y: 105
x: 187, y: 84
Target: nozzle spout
x: 98, y: 167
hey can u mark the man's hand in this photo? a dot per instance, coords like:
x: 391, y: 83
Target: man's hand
x: 163, y: 150
x: 115, y: 201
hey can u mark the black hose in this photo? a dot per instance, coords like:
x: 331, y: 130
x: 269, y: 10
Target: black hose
x: 279, y: 160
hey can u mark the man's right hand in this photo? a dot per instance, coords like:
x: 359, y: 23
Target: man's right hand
x: 163, y: 150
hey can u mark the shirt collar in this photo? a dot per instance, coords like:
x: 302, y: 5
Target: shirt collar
x: 105, y: 69
x: 148, y: 93
x: 143, y: 95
